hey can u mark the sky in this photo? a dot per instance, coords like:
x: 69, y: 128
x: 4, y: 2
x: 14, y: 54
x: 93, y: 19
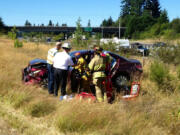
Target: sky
x: 16, y: 12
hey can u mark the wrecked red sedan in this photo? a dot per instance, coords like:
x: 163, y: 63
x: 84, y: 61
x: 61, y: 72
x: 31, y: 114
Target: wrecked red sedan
x: 36, y: 73
x: 123, y: 70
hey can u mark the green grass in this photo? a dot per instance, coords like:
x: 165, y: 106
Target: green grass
x: 18, y: 99
x: 84, y: 117
x: 17, y: 123
x: 39, y: 109
x: 33, y: 111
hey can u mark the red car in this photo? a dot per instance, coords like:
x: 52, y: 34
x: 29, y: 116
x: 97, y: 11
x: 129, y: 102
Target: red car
x: 123, y: 70
x: 36, y: 72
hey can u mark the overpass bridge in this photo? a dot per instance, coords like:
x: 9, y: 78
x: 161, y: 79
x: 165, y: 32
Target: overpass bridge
x: 69, y: 30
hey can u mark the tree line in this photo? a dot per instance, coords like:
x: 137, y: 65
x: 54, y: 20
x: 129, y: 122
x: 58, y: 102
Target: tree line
x: 144, y: 19
x: 50, y: 24
x: 2, y: 25
x: 139, y: 15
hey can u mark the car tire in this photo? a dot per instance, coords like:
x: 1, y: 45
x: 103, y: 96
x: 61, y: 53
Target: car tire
x: 122, y: 83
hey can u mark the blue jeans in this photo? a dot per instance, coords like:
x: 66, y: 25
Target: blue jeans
x: 50, y: 78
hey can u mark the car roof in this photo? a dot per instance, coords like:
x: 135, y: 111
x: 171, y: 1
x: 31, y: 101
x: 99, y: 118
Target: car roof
x: 92, y: 51
x: 72, y: 54
x: 37, y: 61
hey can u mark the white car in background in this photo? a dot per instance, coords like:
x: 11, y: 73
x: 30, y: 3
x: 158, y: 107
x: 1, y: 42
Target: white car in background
x: 124, y: 43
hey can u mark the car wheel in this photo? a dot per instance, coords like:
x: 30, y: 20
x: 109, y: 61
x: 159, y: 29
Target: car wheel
x: 122, y: 83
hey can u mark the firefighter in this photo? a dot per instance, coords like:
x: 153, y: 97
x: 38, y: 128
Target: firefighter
x: 97, y: 66
x: 109, y: 90
x: 81, y: 63
x: 84, y: 74
x: 51, y: 53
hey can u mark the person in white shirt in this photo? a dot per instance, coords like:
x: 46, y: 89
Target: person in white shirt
x: 61, y: 62
x: 51, y: 53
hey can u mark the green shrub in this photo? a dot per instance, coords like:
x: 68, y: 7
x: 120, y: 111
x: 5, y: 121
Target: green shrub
x: 170, y: 34
x: 18, y: 44
x: 109, y: 46
x: 156, y: 30
x: 58, y: 37
x: 40, y: 109
x: 169, y: 54
x: 175, y: 25
x: 159, y: 73
x: 12, y: 35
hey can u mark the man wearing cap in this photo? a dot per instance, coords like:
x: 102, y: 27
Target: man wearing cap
x: 61, y: 62
x: 51, y: 53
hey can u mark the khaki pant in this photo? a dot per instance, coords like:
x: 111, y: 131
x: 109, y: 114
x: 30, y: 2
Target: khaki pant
x: 100, y: 89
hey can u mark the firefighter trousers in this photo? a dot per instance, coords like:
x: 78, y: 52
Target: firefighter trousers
x: 100, y: 89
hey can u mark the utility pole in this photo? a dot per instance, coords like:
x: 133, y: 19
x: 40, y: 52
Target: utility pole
x: 119, y: 28
x: 102, y: 31
x: 120, y: 22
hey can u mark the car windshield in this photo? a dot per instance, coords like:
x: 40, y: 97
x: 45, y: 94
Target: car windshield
x: 115, y: 56
x: 88, y: 55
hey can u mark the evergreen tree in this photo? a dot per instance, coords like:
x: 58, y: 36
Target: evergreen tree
x: 138, y: 16
x: 79, y: 31
x: 57, y: 24
x: 104, y: 23
x: 27, y: 23
x: 1, y: 25
x: 50, y: 23
x: 89, y: 23
x: 163, y: 17
x: 175, y: 25
x: 131, y: 7
x: 64, y: 25
x: 110, y: 22
x: 148, y: 7
x: 153, y: 7
x: 136, y: 7
x: 125, y: 7
x: 156, y: 10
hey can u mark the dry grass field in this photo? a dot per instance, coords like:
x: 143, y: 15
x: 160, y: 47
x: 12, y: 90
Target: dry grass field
x: 30, y: 110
